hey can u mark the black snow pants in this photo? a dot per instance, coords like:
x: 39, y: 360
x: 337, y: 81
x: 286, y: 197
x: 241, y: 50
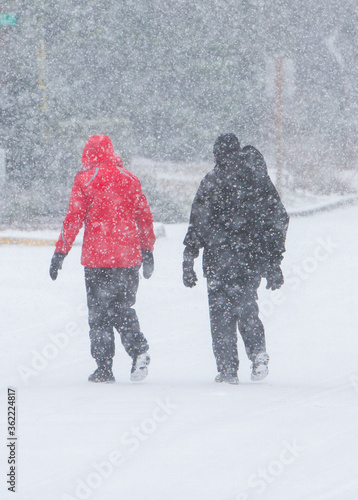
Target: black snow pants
x: 111, y: 293
x: 232, y: 303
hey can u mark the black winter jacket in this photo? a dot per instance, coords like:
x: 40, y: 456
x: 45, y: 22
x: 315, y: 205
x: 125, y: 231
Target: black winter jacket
x: 238, y: 218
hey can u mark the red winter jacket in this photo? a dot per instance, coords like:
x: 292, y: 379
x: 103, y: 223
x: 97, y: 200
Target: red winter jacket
x: 109, y: 201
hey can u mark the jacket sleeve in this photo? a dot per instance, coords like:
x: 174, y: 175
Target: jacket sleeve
x: 73, y: 220
x: 144, y: 222
x: 276, y: 225
x: 198, y: 223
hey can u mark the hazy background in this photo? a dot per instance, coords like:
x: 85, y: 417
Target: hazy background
x: 163, y: 79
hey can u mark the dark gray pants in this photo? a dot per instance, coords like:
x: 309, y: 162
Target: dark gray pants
x: 111, y: 293
x: 232, y: 303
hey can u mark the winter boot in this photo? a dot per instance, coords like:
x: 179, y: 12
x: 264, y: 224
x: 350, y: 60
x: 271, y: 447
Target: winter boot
x: 259, y: 367
x: 140, y: 367
x: 229, y: 377
x: 103, y: 373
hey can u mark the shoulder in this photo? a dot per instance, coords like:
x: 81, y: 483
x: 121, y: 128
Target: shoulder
x: 128, y: 176
x: 84, y: 176
x: 209, y: 180
x: 204, y: 188
x: 127, y: 173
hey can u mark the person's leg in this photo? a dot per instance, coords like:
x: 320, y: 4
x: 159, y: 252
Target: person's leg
x: 101, y: 334
x: 124, y: 316
x: 223, y: 321
x: 250, y: 325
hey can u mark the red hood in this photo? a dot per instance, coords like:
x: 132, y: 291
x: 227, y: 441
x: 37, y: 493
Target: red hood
x: 99, y: 151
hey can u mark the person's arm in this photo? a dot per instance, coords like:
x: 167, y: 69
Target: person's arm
x: 194, y: 238
x: 144, y: 222
x: 276, y: 225
x: 74, y: 218
x: 70, y: 228
x: 198, y: 221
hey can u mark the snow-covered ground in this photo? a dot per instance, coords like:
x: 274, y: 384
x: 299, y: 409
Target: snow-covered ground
x: 178, y: 435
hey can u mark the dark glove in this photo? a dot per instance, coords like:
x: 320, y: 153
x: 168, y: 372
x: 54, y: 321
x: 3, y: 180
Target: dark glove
x: 189, y: 275
x: 148, y: 263
x: 56, y: 264
x: 274, y: 277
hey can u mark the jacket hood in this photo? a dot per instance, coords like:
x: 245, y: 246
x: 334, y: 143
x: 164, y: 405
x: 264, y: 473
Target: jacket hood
x: 226, y: 145
x: 254, y: 158
x: 226, y: 153
x: 99, y: 151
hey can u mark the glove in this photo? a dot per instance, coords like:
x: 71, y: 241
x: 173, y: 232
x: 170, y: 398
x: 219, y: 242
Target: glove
x: 148, y: 263
x: 189, y: 275
x: 56, y: 264
x: 274, y: 278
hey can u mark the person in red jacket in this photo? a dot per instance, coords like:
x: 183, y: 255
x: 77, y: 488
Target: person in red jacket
x: 118, y: 238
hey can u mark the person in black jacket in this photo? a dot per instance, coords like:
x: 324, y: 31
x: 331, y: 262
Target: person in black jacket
x: 238, y: 219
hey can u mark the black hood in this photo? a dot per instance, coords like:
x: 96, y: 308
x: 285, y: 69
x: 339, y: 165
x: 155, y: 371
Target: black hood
x: 226, y: 148
x: 230, y: 162
x: 254, y: 159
